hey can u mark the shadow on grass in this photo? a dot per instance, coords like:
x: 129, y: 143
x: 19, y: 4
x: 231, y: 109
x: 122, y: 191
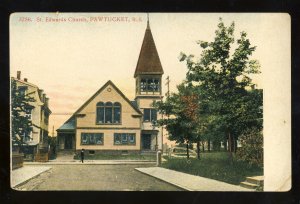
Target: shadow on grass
x: 214, y: 165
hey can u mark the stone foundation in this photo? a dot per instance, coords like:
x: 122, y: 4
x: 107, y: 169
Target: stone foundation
x: 108, y: 152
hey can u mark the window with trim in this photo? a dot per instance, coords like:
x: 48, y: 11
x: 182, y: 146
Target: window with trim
x: 26, y: 135
x: 150, y: 85
x: 22, y: 90
x: 124, y: 138
x: 46, y: 118
x: 150, y: 115
x: 108, y: 113
x: 28, y: 113
x: 92, y: 138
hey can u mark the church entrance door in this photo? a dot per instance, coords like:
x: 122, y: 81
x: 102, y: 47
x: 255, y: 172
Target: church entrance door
x: 146, y: 141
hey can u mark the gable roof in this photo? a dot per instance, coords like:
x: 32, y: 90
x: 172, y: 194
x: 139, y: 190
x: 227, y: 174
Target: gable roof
x: 148, y: 62
x: 69, y: 124
x: 38, y: 90
x: 109, y: 82
x: 134, y: 103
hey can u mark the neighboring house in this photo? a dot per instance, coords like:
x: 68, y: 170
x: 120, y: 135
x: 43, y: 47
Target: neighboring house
x: 39, y: 115
x: 110, y: 122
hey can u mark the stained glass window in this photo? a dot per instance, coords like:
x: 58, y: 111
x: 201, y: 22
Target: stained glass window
x: 124, y: 138
x: 108, y: 113
x: 91, y: 138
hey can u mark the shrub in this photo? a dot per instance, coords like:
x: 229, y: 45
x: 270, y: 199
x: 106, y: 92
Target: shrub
x: 251, y: 150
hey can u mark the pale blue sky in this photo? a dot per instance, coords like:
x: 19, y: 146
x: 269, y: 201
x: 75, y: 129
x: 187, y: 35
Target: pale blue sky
x: 72, y: 60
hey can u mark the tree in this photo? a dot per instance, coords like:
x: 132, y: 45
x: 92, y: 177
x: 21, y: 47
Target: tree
x: 52, y: 142
x: 182, y: 111
x: 21, y: 123
x: 223, y: 81
x: 251, y: 150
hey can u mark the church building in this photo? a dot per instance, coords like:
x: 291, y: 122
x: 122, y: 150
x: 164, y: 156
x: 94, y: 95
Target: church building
x: 109, y: 122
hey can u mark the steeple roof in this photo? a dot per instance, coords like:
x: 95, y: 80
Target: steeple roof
x: 148, y: 62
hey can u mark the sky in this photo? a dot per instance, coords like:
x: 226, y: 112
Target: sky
x: 71, y: 58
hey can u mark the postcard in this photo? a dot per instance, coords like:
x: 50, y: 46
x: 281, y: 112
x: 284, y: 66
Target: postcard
x: 150, y: 101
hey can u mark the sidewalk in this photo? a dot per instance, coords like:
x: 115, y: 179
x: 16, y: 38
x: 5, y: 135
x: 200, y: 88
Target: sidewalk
x: 189, y: 182
x: 23, y: 174
x: 92, y: 162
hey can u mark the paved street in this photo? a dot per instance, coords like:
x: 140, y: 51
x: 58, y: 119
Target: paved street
x: 96, y: 177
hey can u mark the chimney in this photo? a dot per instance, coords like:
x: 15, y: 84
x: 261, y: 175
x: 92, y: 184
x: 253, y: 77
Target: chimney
x: 47, y: 102
x: 40, y: 91
x: 19, y: 75
x: 25, y: 79
x: 43, y: 98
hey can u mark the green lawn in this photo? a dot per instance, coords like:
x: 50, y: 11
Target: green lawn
x: 117, y: 157
x: 214, y: 165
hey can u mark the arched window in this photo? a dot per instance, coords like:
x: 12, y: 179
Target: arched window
x: 100, y: 112
x: 117, y: 112
x: 109, y: 113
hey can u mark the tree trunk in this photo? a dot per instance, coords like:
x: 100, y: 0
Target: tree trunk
x: 202, y: 146
x: 230, y: 148
x: 208, y: 145
x: 198, y: 150
x: 234, y: 145
x: 225, y: 145
x: 187, y: 150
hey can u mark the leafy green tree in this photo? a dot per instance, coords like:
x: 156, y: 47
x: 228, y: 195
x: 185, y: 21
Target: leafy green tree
x: 52, y: 142
x: 21, y: 123
x: 181, y: 111
x: 222, y: 77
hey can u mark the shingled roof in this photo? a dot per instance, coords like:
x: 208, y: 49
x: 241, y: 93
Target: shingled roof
x: 148, y: 62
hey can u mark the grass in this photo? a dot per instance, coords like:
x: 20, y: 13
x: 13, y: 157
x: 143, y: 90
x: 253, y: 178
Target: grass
x: 117, y: 157
x: 214, y: 165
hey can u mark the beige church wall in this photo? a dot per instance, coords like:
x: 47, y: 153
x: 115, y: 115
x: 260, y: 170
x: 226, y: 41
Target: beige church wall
x: 159, y: 140
x: 145, y: 103
x: 147, y: 126
x: 89, y: 120
x: 153, y: 142
x: 108, y: 141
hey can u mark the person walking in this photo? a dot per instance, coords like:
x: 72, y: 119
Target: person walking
x: 82, y: 155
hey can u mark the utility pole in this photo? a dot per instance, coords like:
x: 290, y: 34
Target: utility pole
x: 53, y: 131
x: 168, y: 95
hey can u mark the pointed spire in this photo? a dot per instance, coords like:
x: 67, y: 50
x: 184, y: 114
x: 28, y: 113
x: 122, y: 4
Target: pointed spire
x: 148, y: 25
x: 148, y: 62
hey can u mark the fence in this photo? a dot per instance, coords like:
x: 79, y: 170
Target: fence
x: 41, y: 157
x: 17, y: 161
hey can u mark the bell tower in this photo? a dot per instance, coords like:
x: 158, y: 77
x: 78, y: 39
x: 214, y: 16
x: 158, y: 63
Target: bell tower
x: 148, y: 77
x: 148, y: 72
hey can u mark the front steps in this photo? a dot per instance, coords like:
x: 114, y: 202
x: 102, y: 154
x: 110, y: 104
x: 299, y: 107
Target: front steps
x: 254, y: 182
x: 65, y: 155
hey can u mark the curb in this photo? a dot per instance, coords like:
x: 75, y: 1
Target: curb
x: 16, y: 186
x: 173, y: 184
x: 91, y: 163
x: 189, y: 189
